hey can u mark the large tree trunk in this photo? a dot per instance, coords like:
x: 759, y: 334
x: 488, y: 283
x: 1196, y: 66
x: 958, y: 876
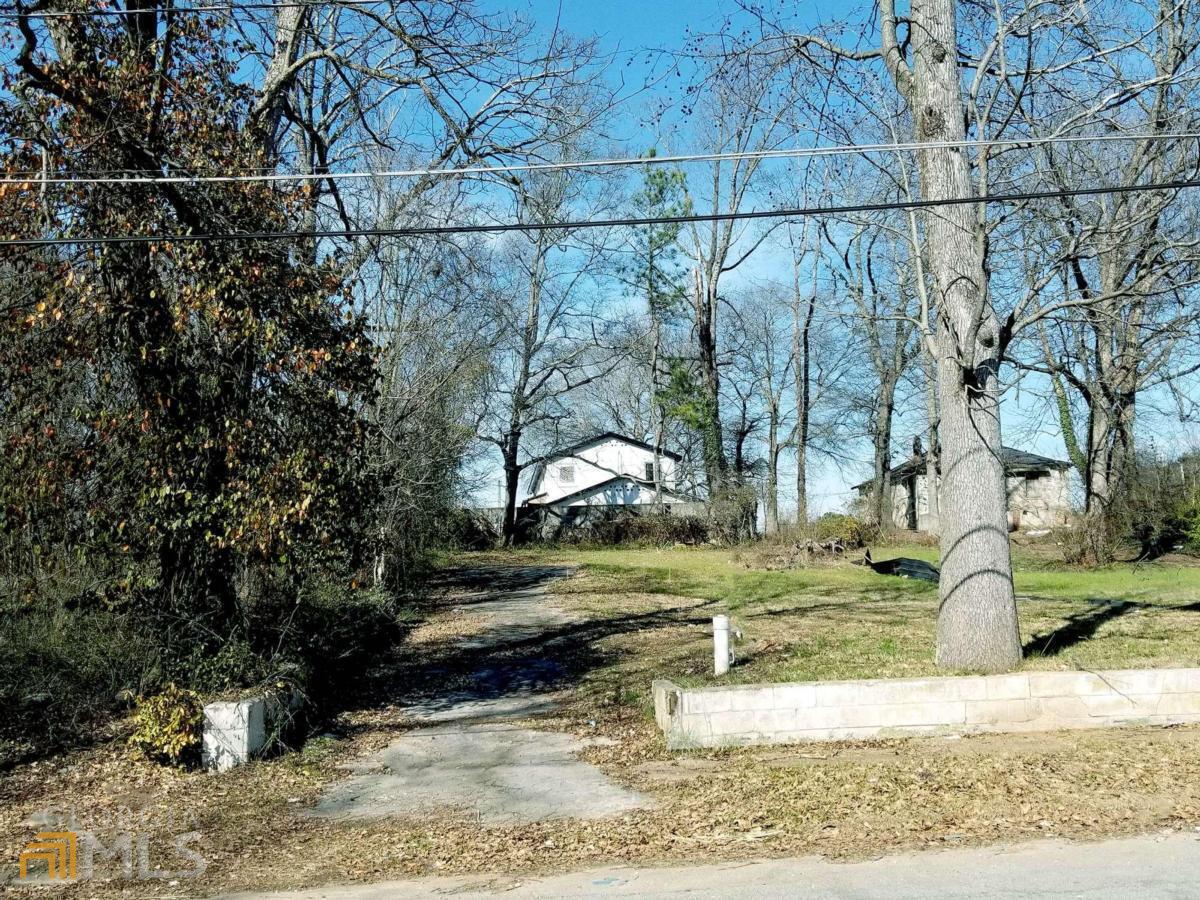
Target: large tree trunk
x: 933, y: 450
x: 802, y: 319
x: 512, y: 481
x: 881, y: 439
x: 977, y: 623
x: 716, y: 465
x: 771, y: 500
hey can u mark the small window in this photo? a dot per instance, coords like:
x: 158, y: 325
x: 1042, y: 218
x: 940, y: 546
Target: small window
x: 649, y: 471
x: 566, y: 474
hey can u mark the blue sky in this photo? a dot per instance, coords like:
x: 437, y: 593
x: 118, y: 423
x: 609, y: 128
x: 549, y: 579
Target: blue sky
x: 632, y: 27
x: 634, y: 24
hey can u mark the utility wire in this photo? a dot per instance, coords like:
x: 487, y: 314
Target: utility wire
x: 33, y: 178
x: 499, y: 227
x: 204, y: 8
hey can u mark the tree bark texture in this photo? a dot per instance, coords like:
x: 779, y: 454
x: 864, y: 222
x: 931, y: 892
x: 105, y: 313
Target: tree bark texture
x: 977, y: 620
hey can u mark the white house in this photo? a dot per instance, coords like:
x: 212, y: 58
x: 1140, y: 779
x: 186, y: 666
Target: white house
x: 601, y: 472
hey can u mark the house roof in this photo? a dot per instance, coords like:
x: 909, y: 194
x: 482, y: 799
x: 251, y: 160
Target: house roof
x: 539, y: 469
x: 595, y: 439
x: 1016, y: 462
x: 538, y: 499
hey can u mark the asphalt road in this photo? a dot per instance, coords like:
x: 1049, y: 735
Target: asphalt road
x: 1146, y: 868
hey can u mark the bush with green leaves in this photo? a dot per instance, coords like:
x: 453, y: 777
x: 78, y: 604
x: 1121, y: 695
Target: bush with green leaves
x: 169, y: 726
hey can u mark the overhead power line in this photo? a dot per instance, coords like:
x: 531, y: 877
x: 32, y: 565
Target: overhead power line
x: 792, y: 153
x: 499, y: 227
x: 202, y: 8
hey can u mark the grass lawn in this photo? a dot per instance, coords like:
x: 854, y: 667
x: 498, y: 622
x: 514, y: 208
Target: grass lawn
x: 840, y: 621
x: 634, y: 615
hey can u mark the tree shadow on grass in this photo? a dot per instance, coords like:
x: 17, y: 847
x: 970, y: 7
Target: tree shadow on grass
x: 1079, y: 627
x: 507, y: 671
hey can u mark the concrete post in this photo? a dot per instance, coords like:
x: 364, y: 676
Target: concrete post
x: 720, y: 644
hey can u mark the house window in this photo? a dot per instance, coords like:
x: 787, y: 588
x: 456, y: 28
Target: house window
x: 649, y: 471
x: 566, y: 474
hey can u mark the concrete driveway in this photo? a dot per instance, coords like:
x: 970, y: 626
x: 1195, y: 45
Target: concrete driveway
x: 468, y: 757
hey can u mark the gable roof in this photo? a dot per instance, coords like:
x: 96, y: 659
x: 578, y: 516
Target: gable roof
x: 603, y: 436
x: 539, y: 468
x: 667, y: 493
x: 1016, y: 462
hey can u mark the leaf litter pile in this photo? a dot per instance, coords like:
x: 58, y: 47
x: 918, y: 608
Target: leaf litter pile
x: 842, y: 801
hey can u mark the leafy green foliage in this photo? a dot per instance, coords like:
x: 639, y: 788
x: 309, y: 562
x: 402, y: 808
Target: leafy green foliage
x: 169, y: 726
x: 183, y: 429
x: 190, y: 410
x: 682, y: 397
x: 656, y: 272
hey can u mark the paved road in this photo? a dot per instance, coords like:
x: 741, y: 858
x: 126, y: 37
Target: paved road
x: 1148, y: 868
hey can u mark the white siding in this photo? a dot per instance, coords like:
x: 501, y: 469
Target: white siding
x: 596, y: 464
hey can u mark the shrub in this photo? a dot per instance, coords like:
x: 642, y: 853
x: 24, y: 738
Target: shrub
x: 169, y: 726
x: 847, y: 530
x: 63, y: 670
x: 468, y: 529
x: 70, y: 660
x: 733, y: 515
x: 624, y: 527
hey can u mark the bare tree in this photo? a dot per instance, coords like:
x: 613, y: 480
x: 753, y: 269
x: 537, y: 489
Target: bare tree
x: 1118, y: 274
x: 764, y: 358
x: 425, y: 84
x: 546, y: 324
x: 873, y: 272
x: 1006, y: 69
x: 977, y: 623
x: 804, y: 308
x: 741, y: 109
x: 431, y: 305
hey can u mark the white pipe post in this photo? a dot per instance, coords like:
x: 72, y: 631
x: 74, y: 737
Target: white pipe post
x: 720, y: 644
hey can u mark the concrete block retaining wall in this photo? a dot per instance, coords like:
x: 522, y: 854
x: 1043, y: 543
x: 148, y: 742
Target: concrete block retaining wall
x: 851, y: 710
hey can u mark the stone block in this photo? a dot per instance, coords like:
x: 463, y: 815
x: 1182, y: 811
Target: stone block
x: 853, y: 710
x: 1121, y: 705
x: 842, y: 693
x: 1065, y: 684
x: 1006, y: 687
x: 234, y: 732
x: 1177, y: 681
x: 795, y: 696
x: 1138, y: 681
x: 917, y: 690
x: 1175, y: 705
x: 1001, y: 712
x: 666, y: 699
x: 757, y: 697
x: 707, y: 701
x: 736, y: 721
x: 891, y: 715
x: 883, y: 692
x: 1053, y: 711
x: 771, y: 721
